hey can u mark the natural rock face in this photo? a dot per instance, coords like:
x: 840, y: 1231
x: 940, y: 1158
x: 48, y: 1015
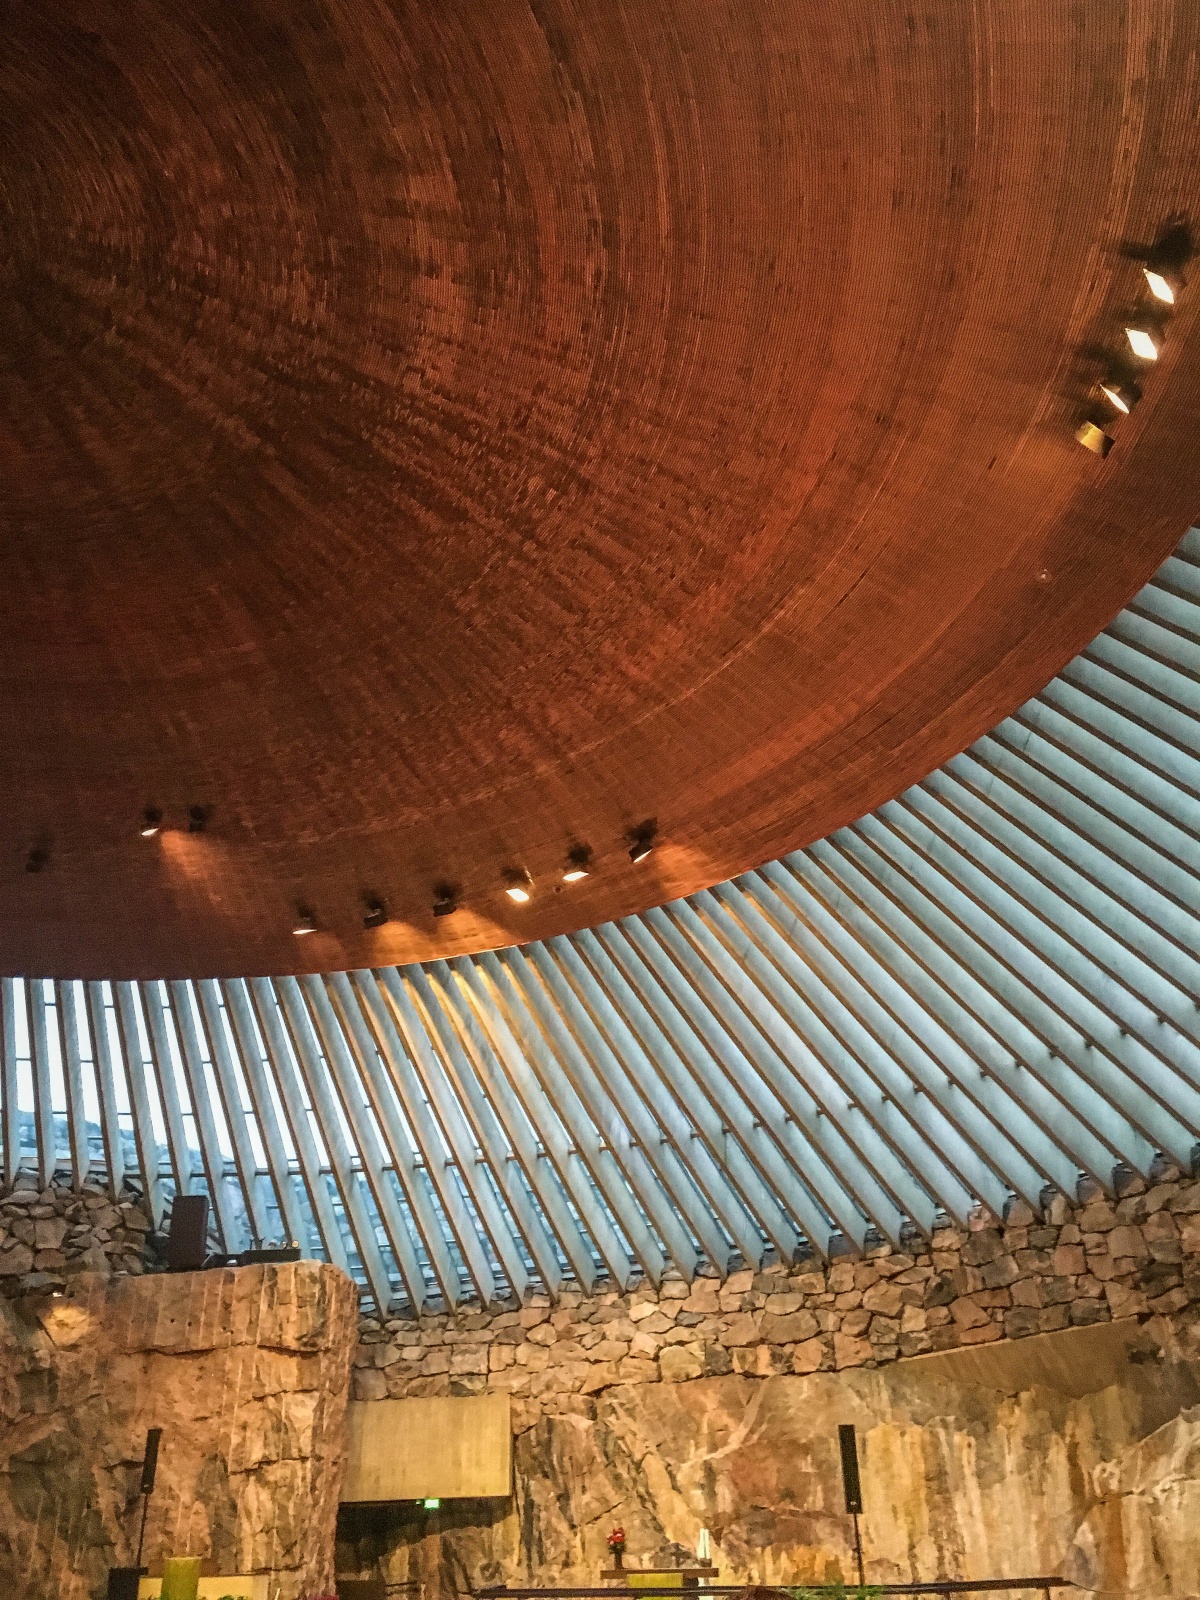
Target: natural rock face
x: 247, y: 1373
x: 1026, y: 1391
x: 1142, y: 1533
x: 1145, y: 1525
x: 973, y: 1467
x: 716, y: 1405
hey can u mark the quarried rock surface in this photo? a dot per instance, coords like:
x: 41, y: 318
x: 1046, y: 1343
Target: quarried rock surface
x: 246, y: 1371
x: 976, y: 1463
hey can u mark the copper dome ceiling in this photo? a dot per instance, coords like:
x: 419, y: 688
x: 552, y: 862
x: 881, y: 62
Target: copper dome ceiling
x: 434, y: 435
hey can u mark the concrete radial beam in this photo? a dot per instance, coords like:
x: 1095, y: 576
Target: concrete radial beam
x: 988, y: 985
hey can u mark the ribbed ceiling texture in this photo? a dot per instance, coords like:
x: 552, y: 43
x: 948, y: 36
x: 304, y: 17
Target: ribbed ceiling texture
x: 985, y: 986
x: 434, y: 433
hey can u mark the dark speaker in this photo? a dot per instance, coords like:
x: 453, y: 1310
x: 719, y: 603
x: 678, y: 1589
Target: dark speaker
x: 187, y: 1240
x: 150, y: 1460
x: 123, y: 1583
x: 850, y: 1479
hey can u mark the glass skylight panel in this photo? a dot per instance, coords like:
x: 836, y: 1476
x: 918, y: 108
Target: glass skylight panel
x: 864, y: 1020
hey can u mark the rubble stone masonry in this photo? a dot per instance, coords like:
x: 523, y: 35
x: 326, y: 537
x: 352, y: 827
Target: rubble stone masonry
x: 1069, y: 1265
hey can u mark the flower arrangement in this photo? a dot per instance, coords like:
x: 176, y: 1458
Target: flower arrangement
x: 616, y: 1543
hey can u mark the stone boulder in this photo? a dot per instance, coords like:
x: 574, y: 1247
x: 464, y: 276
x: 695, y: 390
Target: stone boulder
x: 245, y: 1370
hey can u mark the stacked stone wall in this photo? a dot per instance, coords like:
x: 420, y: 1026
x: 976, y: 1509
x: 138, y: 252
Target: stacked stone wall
x: 1068, y: 1265
x: 50, y: 1234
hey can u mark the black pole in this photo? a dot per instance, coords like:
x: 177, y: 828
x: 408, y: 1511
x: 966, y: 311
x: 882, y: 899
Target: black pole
x: 858, y: 1556
x: 149, y: 1469
x: 142, y: 1531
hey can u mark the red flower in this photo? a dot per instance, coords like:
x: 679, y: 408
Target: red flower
x: 616, y: 1539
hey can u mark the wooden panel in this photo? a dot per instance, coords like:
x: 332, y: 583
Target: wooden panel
x: 1074, y: 1361
x: 444, y: 1449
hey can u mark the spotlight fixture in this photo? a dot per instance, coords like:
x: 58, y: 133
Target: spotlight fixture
x: 198, y: 818
x: 1161, y: 286
x: 445, y: 900
x: 1143, y: 343
x: 579, y: 863
x: 151, y: 822
x: 1093, y: 437
x: 641, y: 840
x: 1124, y: 396
x: 305, y: 922
x: 376, y: 912
x: 517, y: 884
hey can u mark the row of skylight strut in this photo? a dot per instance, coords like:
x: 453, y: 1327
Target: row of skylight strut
x: 988, y: 985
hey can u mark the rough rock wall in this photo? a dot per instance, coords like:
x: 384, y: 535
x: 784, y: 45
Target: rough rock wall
x: 711, y: 1404
x: 247, y: 1372
x: 715, y: 1405
x: 974, y: 1466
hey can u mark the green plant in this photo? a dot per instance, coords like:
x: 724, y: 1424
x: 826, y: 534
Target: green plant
x: 834, y: 1591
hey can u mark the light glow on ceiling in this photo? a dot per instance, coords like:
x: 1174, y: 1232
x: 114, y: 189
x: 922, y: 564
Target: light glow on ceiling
x: 984, y: 987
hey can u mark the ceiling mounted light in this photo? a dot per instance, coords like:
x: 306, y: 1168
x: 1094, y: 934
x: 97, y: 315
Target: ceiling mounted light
x: 517, y: 884
x: 198, y: 818
x: 445, y: 899
x: 579, y: 863
x: 1143, y: 343
x: 1122, y: 395
x: 151, y: 822
x: 375, y: 914
x: 641, y: 840
x: 1093, y: 437
x: 305, y: 922
x: 1161, y: 286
